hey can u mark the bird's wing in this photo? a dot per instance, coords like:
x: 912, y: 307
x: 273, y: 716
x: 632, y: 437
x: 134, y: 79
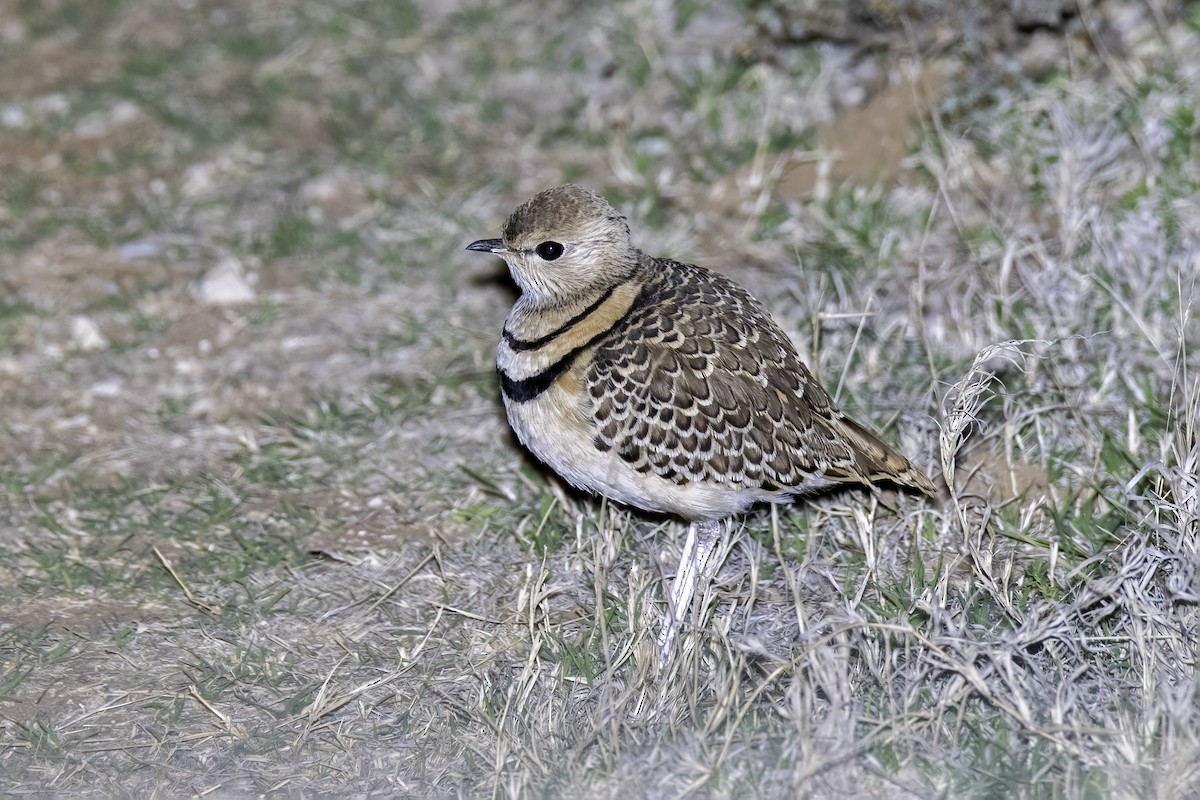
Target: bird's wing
x: 702, y: 385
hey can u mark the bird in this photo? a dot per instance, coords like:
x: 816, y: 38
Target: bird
x: 664, y: 386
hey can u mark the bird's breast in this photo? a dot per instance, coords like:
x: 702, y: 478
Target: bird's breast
x: 540, y: 348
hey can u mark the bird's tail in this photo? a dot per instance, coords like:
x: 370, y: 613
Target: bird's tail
x: 879, y: 461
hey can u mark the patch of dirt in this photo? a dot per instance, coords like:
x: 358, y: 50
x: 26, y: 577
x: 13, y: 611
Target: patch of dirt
x: 989, y: 479
x: 87, y: 617
x: 68, y: 273
x: 868, y: 145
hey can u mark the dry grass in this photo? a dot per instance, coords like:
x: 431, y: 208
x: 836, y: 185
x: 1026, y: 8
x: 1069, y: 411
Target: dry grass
x: 284, y: 543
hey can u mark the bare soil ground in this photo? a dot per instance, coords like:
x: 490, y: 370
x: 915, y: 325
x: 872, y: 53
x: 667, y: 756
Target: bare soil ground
x: 263, y: 528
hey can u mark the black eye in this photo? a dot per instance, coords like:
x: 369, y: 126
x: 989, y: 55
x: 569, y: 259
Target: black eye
x: 549, y: 251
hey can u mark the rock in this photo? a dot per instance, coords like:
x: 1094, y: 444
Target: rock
x: 110, y: 387
x: 86, y: 336
x: 139, y: 248
x: 225, y: 285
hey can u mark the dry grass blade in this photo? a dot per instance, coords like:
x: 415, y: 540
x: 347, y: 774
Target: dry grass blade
x: 234, y: 730
x: 211, y: 608
x: 360, y: 620
x: 327, y: 702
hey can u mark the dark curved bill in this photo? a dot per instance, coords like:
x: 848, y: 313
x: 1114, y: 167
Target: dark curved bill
x: 487, y: 246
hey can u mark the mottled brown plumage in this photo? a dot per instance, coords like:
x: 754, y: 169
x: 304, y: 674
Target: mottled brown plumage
x: 663, y: 385
x: 698, y: 384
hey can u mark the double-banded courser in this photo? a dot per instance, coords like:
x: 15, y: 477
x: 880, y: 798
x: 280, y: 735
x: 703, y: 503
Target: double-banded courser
x: 662, y: 385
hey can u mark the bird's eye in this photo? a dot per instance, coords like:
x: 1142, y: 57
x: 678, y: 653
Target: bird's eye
x: 549, y: 251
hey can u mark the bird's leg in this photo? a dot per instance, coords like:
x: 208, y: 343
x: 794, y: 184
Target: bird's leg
x: 693, y: 570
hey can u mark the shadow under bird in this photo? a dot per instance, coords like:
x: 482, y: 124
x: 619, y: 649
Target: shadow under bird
x: 662, y: 385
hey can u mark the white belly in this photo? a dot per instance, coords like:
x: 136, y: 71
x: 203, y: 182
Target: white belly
x: 558, y: 431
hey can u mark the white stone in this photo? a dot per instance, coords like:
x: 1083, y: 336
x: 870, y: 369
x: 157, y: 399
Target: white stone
x: 86, y: 335
x: 106, y: 388
x: 225, y: 285
x: 139, y: 248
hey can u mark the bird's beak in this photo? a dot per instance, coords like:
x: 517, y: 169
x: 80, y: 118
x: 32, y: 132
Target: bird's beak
x: 487, y: 246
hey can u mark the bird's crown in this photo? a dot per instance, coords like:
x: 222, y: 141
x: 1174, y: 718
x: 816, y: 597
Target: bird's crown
x: 568, y: 212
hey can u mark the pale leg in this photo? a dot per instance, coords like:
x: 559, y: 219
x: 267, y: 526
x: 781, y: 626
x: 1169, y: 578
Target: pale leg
x: 702, y: 539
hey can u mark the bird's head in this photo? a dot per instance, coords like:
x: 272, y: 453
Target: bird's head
x: 562, y: 244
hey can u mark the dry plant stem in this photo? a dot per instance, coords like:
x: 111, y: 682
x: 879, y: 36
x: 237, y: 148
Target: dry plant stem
x: 365, y: 615
x: 970, y: 395
x: 187, y: 592
x: 789, y: 575
x: 233, y: 729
